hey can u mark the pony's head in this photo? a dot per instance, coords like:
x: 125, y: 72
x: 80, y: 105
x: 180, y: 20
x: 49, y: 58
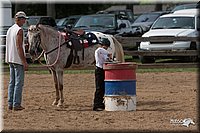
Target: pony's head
x: 34, y: 40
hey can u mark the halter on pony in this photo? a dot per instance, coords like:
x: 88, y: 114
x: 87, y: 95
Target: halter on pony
x: 37, y: 36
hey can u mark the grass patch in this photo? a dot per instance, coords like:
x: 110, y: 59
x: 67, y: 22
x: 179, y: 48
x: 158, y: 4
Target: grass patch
x: 65, y: 72
x: 91, y: 71
x: 137, y: 71
x: 129, y: 58
x: 167, y: 70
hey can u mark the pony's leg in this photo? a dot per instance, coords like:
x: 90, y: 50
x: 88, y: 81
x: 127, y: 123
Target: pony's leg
x: 60, y: 87
x: 55, y: 102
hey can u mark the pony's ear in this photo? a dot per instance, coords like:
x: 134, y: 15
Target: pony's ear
x: 38, y: 26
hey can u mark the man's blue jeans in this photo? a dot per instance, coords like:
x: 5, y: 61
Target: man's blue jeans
x: 15, y: 85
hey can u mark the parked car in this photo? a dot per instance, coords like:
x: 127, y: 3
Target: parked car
x: 108, y: 24
x: 56, y: 20
x: 125, y: 13
x: 182, y: 23
x: 67, y: 21
x: 186, y: 6
x: 33, y: 20
x: 145, y: 20
x: 105, y: 23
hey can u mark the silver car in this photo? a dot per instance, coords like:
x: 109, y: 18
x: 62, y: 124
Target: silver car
x: 182, y: 23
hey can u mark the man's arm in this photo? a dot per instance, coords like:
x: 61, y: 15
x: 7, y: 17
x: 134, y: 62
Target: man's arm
x: 20, y: 50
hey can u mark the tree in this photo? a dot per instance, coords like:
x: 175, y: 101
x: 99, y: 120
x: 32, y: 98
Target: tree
x: 130, y: 7
x: 51, y: 11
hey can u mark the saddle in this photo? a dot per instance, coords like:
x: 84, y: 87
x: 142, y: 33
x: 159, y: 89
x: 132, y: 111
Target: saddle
x: 79, y: 32
x: 77, y: 41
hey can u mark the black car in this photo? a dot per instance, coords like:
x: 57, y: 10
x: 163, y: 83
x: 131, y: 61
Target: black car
x: 68, y: 21
x: 128, y: 14
x: 108, y: 24
x: 33, y: 20
x: 105, y: 23
x: 145, y: 20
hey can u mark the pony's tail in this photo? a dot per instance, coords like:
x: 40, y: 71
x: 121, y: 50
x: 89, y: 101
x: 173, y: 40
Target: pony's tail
x: 118, y: 50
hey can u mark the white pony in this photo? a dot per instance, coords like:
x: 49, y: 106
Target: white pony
x: 59, y: 54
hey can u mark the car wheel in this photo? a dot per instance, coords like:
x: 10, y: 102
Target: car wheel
x: 193, y: 46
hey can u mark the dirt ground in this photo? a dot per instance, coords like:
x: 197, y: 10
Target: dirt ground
x: 164, y: 100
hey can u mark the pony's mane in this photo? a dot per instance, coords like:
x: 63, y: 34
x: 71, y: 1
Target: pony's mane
x: 47, y: 27
x: 33, y: 28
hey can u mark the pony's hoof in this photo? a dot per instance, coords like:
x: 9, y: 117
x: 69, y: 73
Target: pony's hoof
x: 55, y: 103
x: 60, y: 105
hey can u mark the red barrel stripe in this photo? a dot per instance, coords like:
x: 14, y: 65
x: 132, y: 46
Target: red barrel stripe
x: 120, y: 74
x: 118, y: 66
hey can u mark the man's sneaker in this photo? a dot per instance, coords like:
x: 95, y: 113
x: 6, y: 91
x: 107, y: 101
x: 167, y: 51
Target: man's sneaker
x: 18, y: 108
x: 98, y: 109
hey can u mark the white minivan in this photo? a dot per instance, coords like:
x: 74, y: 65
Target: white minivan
x: 181, y: 23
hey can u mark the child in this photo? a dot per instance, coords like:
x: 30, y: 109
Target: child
x: 101, y: 56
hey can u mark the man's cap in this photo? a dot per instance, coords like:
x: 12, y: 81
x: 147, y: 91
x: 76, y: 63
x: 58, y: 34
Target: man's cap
x: 105, y: 42
x: 21, y: 14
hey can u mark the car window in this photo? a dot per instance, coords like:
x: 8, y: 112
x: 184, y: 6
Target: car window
x: 44, y: 21
x: 51, y: 22
x: 72, y: 21
x: 130, y: 16
x: 147, y: 18
x: 62, y: 21
x: 30, y: 21
x: 95, y: 21
x: 198, y: 23
x: 33, y: 21
x: 47, y: 21
x: 174, y: 22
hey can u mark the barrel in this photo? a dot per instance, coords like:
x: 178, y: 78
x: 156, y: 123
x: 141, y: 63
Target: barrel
x: 120, y: 86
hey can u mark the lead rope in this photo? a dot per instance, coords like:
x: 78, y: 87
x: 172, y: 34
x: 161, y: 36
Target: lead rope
x: 43, y: 52
x: 38, y: 58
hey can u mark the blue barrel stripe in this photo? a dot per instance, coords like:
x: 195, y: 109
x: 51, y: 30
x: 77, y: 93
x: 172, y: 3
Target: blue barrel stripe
x: 113, y: 88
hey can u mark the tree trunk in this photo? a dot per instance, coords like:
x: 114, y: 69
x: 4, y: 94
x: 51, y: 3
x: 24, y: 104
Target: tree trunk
x: 51, y: 11
x: 130, y: 7
x: 158, y: 7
